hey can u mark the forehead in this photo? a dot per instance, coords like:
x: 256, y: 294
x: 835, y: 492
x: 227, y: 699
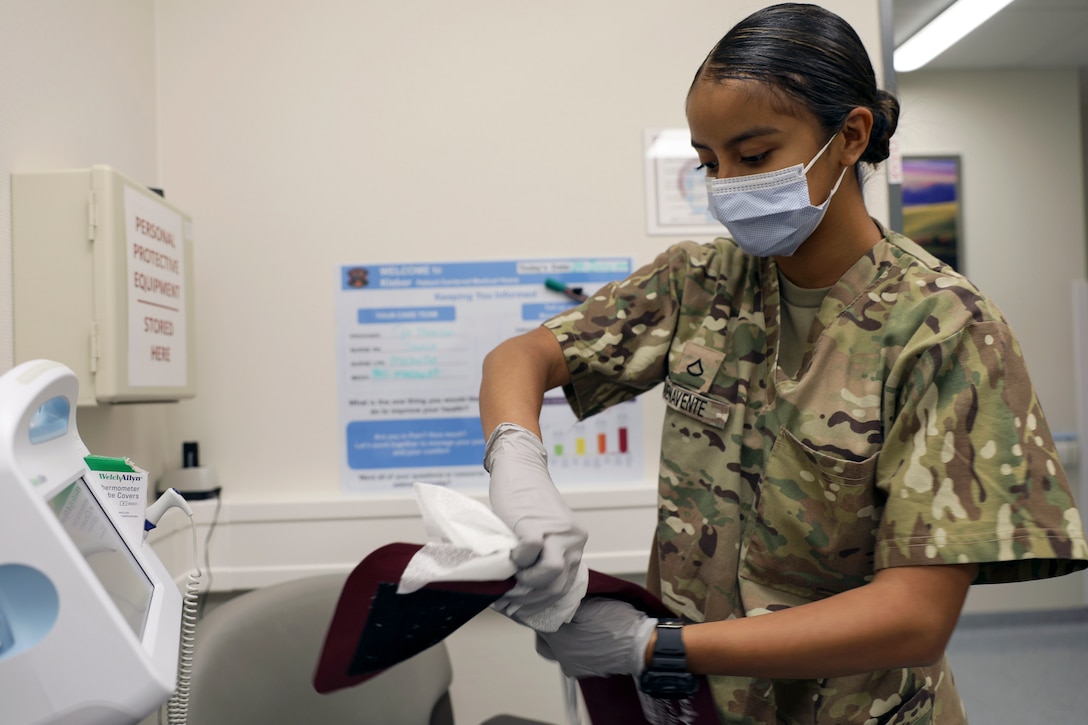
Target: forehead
x: 723, y: 108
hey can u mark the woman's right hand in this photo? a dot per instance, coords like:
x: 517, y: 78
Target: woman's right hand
x: 550, y: 542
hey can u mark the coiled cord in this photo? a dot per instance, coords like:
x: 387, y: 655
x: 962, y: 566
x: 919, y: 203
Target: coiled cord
x: 177, y: 707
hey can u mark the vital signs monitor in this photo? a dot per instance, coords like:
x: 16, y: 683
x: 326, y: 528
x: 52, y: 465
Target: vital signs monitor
x: 89, y: 619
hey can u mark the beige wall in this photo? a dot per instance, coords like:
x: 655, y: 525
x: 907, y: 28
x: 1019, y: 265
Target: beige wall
x: 303, y: 135
x: 1023, y: 200
x: 78, y: 87
x: 1084, y: 136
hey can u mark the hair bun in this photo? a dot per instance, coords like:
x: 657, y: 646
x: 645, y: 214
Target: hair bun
x: 885, y: 121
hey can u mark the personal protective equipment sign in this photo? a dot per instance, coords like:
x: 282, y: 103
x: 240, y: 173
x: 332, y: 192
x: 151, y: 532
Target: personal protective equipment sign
x: 157, y: 354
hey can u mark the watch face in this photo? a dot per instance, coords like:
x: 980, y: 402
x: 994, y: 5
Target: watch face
x: 668, y: 685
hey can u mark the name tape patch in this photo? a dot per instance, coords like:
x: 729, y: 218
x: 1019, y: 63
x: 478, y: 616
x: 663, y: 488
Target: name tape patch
x: 710, y: 411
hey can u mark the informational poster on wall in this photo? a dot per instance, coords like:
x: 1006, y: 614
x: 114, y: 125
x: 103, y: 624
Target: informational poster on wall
x: 157, y: 354
x: 676, y: 201
x: 411, y: 342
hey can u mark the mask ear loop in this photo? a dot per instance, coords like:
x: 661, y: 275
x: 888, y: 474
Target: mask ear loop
x: 804, y: 172
x: 816, y: 158
x: 836, y: 186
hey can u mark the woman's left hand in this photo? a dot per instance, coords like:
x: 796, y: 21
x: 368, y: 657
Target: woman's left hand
x: 606, y: 637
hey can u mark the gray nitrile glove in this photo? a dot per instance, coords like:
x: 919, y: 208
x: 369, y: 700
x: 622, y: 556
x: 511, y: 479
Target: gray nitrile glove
x: 606, y: 637
x: 550, y: 541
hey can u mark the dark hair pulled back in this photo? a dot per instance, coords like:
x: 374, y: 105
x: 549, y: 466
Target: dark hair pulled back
x: 811, y: 56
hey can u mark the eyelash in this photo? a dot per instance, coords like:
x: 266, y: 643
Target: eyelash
x: 746, y: 160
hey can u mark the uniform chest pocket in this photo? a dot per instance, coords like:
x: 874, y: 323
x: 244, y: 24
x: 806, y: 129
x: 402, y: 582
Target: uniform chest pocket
x: 814, y: 529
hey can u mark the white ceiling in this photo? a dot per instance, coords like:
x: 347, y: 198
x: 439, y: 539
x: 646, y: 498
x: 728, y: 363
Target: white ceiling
x: 1025, y: 34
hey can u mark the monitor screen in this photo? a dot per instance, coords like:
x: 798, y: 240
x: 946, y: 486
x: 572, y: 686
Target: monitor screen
x: 109, y: 557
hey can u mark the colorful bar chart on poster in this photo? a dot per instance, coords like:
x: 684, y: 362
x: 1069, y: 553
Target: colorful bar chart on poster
x: 594, y: 450
x: 605, y: 443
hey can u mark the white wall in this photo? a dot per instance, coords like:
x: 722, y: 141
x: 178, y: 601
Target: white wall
x: 78, y: 87
x: 1024, y: 232
x: 303, y: 135
x: 1023, y: 200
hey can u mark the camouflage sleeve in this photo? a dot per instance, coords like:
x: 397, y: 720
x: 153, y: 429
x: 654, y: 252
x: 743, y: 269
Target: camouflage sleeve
x: 617, y: 342
x: 970, y: 469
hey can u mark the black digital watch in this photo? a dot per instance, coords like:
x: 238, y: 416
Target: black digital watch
x: 667, y: 675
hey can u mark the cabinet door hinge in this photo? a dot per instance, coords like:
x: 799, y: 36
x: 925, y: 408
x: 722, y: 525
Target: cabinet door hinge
x: 94, y: 348
x: 92, y: 217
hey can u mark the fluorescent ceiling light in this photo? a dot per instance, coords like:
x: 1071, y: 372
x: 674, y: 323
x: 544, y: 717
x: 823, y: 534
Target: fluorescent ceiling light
x: 943, y: 31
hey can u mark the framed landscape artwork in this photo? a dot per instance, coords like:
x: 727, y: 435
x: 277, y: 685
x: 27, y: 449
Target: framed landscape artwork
x: 932, y: 206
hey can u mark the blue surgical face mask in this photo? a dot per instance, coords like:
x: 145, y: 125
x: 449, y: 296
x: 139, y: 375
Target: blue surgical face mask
x: 769, y: 214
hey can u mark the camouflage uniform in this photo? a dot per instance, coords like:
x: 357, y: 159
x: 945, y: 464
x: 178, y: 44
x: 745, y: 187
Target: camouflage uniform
x: 911, y: 435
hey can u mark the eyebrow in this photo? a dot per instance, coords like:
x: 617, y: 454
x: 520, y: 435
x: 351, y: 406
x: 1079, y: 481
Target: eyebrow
x: 740, y: 137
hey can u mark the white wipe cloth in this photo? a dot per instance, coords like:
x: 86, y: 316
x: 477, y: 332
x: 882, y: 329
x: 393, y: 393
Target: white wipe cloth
x: 468, y: 542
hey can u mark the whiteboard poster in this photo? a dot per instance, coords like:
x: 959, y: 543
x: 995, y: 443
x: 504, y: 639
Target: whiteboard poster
x: 411, y: 343
x: 157, y: 354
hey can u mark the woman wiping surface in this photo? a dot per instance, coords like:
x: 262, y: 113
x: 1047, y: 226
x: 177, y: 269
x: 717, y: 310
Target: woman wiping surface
x: 852, y: 438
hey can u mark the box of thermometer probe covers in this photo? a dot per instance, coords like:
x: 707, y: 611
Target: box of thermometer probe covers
x: 125, y: 487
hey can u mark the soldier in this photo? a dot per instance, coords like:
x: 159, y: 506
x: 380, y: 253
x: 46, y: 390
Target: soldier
x: 851, y: 438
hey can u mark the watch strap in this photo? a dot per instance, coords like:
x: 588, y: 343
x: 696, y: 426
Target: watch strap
x: 667, y: 675
x: 668, y: 653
